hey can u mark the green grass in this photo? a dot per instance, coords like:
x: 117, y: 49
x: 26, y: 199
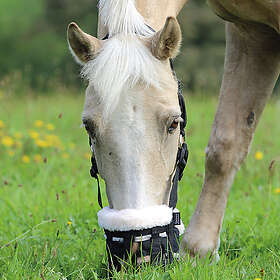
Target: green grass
x: 37, y: 200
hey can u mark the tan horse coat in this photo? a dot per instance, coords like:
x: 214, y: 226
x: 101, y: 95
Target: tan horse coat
x: 252, y: 65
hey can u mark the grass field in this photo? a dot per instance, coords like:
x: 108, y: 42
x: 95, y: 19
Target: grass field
x: 48, y: 202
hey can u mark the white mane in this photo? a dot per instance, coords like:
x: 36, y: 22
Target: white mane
x: 123, y: 60
x: 121, y: 16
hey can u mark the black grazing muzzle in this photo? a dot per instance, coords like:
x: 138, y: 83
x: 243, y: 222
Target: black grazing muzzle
x: 159, y: 244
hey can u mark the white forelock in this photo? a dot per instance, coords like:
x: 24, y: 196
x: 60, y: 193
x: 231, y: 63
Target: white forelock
x: 121, y: 16
x: 122, y: 62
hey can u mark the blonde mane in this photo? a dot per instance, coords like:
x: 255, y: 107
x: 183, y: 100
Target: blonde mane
x: 121, y: 16
x: 124, y: 59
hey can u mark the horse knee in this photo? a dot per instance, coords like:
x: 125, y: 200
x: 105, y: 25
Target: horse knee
x: 226, y: 151
x: 220, y: 154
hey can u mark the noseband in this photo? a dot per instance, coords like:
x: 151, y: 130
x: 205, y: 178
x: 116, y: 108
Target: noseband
x: 158, y: 244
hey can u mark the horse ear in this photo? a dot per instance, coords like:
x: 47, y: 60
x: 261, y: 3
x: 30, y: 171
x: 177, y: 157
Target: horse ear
x: 82, y: 45
x: 166, y: 42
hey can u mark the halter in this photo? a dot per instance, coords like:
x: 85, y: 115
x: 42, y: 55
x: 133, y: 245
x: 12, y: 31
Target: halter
x: 158, y: 244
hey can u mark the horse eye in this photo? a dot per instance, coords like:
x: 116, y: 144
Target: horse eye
x: 173, y: 126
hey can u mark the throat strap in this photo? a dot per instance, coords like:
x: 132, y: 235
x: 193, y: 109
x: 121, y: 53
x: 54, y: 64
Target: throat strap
x: 99, y: 193
x: 94, y: 174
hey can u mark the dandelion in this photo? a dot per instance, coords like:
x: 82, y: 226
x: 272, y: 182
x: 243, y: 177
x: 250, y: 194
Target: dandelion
x: 72, y: 145
x: 41, y: 143
x: 50, y: 126
x: 7, y: 141
x: 258, y: 155
x: 277, y: 191
x: 11, y: 153
x: 2, y: 125
x: 37, y: 158
x: 53, y: 141
x: 33, y: 134
x: 18, y: 135
x: 65, y: 155
x: 87, y: 155
x: 69, y: 223
x: 38, y: 123
x: 25, y: 159
x: 257, y: 279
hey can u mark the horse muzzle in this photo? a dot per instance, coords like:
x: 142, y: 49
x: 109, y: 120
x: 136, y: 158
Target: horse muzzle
x: 137, y: 236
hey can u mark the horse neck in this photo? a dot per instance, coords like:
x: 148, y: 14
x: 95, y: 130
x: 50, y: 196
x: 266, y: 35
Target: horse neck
x: 154, y: 12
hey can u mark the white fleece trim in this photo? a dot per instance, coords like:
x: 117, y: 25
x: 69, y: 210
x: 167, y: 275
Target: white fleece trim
x: 134, y: 219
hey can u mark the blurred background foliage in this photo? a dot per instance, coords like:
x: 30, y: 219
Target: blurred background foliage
x: 34, y: 53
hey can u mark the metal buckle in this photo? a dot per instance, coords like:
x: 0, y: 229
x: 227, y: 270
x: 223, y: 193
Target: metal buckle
x: 181, y: 140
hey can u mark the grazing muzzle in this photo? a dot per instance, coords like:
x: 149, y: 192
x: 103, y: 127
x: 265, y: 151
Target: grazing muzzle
x: 155, y: 245
x: 149, y: 235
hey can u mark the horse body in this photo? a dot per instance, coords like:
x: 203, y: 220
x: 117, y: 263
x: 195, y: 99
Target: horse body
x: 252, y: 65
x: 135, y: 154
x: 261, y: 11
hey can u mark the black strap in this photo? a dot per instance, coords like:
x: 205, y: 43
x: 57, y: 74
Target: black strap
x: 94, y: 173
x: 182, y: 159
x: 183, y: 153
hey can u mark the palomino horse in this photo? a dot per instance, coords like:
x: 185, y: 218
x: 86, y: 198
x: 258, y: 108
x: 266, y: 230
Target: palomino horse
x: 132, y: 112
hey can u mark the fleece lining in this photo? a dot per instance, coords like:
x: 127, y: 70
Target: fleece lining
x: 136, y: 219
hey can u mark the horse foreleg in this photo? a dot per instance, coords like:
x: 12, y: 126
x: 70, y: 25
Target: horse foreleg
x: 251, y: 69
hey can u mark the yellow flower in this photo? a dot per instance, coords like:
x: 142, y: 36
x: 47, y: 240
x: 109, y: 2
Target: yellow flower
x: 50, y: 126
x: 38, y: 123
x: 33, y: 134
x: 18, y: 135
x: 11, y: 153
x: 25, y: 159
x: 53, y: 141
x: 2, y: 125
x: 72, y: 145
x: 258, y: 155
x: 69, y: 223
x: 65, y: 155
x: 257, y: 279
x: 41, y: 143
x: 7, y: 141
x: 87, y: 155
x: 277, y: 191
x: 37, y: 158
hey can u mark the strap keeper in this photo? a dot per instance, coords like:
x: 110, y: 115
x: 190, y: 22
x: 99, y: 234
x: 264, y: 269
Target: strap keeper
x: 176, y: 218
